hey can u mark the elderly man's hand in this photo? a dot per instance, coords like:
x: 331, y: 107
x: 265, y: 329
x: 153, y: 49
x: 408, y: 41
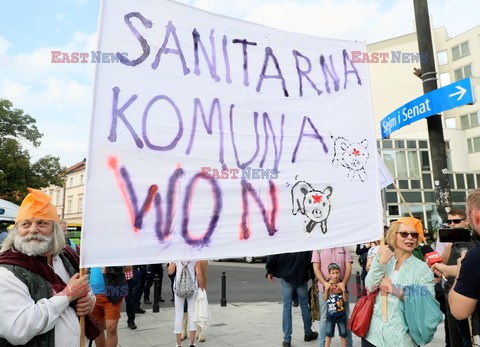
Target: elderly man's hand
x: 77, y: 287
x: 85, y: 305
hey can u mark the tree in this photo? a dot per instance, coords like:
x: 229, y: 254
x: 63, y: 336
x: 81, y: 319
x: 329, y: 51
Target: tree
x: 16, y: 171
x: 13, y: 122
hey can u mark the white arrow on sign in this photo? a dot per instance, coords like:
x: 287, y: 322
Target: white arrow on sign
x: 460, y: 93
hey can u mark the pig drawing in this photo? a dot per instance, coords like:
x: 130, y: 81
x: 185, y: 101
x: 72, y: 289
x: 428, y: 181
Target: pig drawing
x: 351, y: 155
x: 312, y: 203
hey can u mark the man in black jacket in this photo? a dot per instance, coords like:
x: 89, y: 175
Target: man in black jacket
x: 295, y: 270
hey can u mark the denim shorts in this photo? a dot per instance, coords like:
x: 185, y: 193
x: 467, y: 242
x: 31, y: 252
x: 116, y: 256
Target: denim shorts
x: 341, y: 321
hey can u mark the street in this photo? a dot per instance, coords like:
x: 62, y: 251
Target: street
x: 244, y: 283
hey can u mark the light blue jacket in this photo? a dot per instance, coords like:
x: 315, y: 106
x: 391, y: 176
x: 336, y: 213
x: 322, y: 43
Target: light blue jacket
x: 421, y: 314
x: 412, y: 271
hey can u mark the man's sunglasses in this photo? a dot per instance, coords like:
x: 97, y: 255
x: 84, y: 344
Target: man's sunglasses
x: 404, y: 234
x: 454, y: 221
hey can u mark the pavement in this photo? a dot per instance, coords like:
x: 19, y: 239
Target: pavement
x: 237, y: 324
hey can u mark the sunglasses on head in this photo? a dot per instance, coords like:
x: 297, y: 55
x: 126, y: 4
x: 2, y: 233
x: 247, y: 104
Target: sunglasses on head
x: 333, y: 266
x: 454, y: 221
x: 405, y: 234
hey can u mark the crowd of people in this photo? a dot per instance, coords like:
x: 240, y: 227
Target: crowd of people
x: 416, y: 293
x: 39, y: 276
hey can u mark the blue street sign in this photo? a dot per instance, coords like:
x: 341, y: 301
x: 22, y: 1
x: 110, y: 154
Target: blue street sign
x: 438, y: 100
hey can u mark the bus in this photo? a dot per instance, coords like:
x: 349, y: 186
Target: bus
x: 74, y: 233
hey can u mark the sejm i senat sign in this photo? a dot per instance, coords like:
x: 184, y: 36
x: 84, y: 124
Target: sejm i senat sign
x: 438, y: 100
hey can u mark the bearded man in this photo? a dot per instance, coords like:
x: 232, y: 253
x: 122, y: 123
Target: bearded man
x: 42, y: 293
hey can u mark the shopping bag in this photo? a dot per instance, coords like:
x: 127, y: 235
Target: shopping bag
x: 361, y: 316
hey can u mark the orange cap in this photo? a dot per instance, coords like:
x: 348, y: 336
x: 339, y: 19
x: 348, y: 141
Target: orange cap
x: 37, y: 205
x: 414, y: 223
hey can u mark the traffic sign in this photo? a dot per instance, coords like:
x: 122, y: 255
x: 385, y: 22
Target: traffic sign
x: 438, y: 100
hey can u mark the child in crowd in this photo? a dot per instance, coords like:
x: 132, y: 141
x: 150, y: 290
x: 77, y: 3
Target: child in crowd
x: 335, y: 298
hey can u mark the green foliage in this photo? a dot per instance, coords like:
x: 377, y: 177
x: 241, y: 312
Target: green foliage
x: 16, y: 171
x: 14, y: 123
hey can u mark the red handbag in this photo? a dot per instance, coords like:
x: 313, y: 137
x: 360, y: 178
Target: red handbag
x: 361, y: 316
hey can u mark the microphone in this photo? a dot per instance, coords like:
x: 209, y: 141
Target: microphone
x: 430, y: 256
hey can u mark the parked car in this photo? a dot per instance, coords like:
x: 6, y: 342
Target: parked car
x: 261, y: 258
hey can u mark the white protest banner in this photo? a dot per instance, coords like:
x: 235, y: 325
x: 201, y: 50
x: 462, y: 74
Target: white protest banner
x: 213, y: 137
x: 385, y: 177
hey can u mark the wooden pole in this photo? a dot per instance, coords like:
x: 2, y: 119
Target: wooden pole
x: 382, y: 243
x: 82, y: 319
x: 384, y: 295
x: 403, y: 200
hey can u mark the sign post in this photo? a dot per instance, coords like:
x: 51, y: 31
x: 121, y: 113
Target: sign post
x: 438, y: 100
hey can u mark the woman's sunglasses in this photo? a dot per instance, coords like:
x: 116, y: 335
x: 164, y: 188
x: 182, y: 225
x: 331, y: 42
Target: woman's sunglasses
x: 405, y: 234
x: 454, y: 221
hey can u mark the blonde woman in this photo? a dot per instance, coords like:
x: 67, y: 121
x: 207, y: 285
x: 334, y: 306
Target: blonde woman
x: 393, y: 271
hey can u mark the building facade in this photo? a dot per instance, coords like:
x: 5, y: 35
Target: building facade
x: 68, y: 200
x: 406, y: 152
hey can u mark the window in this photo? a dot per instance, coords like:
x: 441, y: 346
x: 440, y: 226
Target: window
x: 411, y: 144
x: 71, y: 182
x: 464, y: 121
x: 463, y: 72
x: 422, y: 144
x: 393, y: 210
x: 473, y: 144
x: 413, y: 165
x: 427, y: 181
x: 389, y: 162
x: 450, y: 123
x: 415, y: 184
x: 69, y: 208
x: 387, y: 144
x: 476, y: 144
x: 445, y: 79
x: 81, y: 180
x: 401, y: 161
x: 460, y: 181
x: 460, y: 51
x: 470, y: 145
x: 474, y: 120
x: 402, y: 164
x: 80, y: 205
x: 424, y: 155
x: 442, y: 58
x: 470, y: 181
x: 470, y: 120
x: 59, y: 201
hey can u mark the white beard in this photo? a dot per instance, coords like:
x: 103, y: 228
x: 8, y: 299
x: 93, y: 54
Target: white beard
x: 25, y: 244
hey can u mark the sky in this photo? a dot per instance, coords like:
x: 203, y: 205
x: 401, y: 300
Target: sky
x: 59, y: 96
